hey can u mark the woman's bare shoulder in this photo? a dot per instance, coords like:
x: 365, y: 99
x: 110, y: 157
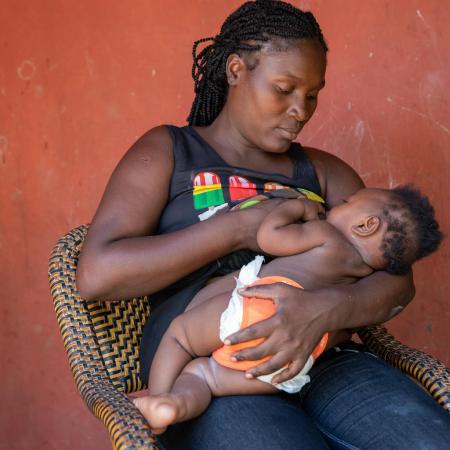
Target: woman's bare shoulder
x: 146, y: 167
x: 138, y: 188
x: 153, y: 146
x: 338, y: 179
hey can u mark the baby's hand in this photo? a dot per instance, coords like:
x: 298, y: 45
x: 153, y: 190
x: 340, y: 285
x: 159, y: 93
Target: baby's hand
x: 293, y: 211
x: 312, y: 210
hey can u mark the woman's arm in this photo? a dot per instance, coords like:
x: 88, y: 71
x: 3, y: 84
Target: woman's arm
x: 122, y: 259
x: 302, y: 317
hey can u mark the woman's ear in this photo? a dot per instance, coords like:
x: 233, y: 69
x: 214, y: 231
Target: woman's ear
x: 234, y: 68
x: 367, y: 226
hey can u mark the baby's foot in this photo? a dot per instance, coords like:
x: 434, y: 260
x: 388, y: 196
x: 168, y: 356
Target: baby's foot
x: 159, y: 410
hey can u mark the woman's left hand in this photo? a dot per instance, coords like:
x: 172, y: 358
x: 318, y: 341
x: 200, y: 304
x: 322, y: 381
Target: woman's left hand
x: 292, y: 333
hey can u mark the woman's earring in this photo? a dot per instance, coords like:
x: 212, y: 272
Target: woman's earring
x: 232, y: 79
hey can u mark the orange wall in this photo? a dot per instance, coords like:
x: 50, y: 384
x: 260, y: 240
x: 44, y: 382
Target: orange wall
x: 81, y: 80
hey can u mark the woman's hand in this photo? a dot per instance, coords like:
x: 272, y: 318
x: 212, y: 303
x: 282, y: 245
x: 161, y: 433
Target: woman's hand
x: 292, y: 333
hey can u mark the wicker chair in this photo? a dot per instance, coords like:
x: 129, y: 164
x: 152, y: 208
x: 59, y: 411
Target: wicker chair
x: 101, y: 341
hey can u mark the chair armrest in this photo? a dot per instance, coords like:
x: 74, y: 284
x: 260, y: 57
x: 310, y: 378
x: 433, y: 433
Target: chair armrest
x: 427, y: 370
x: 126, y: 425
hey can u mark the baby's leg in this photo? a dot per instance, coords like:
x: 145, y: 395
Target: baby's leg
x: 191, y: 334
x: 181, y: 389
x: 216, y: 287
x: 191, y: 394
x: 194, y: 333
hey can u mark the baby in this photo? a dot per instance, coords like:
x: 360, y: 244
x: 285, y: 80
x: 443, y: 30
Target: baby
x: 374, y: 229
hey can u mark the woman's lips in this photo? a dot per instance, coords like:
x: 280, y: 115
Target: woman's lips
x: 289, y: 133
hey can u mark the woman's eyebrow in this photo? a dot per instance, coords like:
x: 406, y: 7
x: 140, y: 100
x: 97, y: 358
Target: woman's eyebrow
x: 300, y: 80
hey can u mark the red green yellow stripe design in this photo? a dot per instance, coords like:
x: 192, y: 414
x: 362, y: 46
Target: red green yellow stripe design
x: 207, y: 190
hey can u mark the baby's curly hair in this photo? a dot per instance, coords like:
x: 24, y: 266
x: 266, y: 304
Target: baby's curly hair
x: 412, y: 230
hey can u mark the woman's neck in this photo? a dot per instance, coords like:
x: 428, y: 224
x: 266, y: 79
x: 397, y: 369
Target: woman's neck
x: 227, y: 139
x: 233, y: 147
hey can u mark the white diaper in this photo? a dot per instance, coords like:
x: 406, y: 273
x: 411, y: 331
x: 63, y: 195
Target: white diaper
x: 231, y: 318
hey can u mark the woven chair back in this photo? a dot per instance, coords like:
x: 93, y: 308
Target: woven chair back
x: 102, y: 335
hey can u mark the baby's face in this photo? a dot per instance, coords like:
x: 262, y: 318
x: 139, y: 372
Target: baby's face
x: 363, y: 203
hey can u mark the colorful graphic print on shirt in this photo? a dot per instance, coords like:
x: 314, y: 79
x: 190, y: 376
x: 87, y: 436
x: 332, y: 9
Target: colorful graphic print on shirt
x: 214, y: 191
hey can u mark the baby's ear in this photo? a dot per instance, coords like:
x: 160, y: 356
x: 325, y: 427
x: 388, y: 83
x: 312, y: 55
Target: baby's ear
x: 367, y: 226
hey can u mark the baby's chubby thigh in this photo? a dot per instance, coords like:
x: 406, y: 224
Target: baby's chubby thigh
x: 214, y: 288
x: 224, y: 381
x: 197, y: 329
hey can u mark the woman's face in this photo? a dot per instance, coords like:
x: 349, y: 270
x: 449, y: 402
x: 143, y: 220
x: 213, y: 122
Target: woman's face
x: 271, y: 103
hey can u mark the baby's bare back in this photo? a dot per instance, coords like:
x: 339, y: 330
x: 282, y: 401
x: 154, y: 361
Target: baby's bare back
x: 318, y: 268
x: 314, y: 269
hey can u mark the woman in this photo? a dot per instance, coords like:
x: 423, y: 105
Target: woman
x: 256, y: 87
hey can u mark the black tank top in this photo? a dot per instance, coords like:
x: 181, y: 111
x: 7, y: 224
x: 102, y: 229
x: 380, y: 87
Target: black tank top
x: 202, y: 180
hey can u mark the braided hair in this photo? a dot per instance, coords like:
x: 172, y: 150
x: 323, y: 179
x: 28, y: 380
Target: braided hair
x: 261, y: 21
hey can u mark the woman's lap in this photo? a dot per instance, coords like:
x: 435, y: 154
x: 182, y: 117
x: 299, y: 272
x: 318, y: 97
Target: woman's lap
x: 260, y: 422
x: 359, y: 401
x: 355, y: 399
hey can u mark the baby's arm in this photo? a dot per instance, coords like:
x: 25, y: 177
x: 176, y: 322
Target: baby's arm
x: 293, y: 227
